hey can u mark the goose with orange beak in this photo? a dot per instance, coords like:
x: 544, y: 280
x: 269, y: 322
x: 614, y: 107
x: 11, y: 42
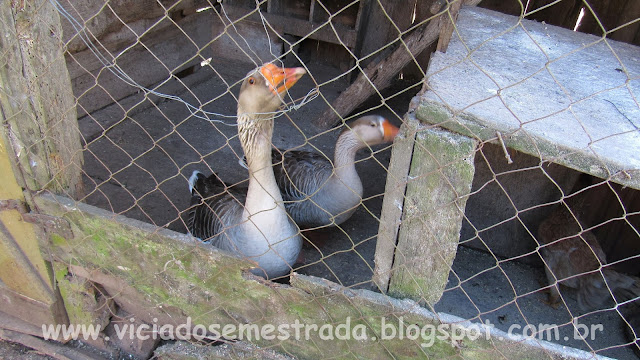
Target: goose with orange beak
x: 253, y: 224
x: 319, y: 193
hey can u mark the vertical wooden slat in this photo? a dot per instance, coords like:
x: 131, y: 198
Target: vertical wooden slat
x: 439, y: 183
x: 448, y: 25
x: 37, y: 102
x: 393, y: 201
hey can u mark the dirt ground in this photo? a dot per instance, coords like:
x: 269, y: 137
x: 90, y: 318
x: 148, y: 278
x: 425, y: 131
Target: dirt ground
x: 140, y: 164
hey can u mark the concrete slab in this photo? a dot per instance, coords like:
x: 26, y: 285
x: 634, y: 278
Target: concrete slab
x: 563, y: 96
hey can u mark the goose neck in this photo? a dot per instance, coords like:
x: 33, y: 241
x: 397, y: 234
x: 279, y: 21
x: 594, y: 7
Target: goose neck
x: 255, y: 134
x: 345, y: 154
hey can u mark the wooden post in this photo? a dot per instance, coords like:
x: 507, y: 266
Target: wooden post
x: 393, y: 201
x: 27, y: 289
x: 39, y: 149
x: 439, y: 172
x: 37, y: 102
x: 447, y: 27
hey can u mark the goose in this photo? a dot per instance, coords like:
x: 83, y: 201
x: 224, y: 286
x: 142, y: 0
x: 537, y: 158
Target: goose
x: 318, y: 193
x: 253, y: 223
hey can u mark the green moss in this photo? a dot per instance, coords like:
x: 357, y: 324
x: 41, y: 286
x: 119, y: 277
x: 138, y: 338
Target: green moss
x: 58, y: 240
x: 77, y: 300
x: 183, y: 280
x: 298, y: 310
x: 518, y: 139
x: 60, y: 271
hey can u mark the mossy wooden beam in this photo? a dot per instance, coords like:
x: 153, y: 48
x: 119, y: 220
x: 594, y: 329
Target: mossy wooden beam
x: 38, y: 107
x: 166, y: 278
x: 439, y: 182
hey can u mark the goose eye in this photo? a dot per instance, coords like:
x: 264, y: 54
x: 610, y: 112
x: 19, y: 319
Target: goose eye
x: 373, y: 125
x: 252, y: 81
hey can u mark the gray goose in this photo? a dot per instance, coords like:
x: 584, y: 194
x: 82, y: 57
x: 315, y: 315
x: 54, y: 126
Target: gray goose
x: 252, y: 224
x: 319, y: 193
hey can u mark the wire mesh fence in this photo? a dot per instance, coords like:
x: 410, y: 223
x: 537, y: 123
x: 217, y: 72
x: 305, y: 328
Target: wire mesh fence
x: 510, y: 199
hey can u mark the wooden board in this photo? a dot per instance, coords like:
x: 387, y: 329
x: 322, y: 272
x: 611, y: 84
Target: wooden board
x: 158, y: 274
x: 38, y: 107
x: 393, y: 202
x: 37, y: 151
x: 439, y: 183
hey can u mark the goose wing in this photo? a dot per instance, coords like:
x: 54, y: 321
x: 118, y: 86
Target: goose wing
x: 300, y: 174
x: 214, y: 207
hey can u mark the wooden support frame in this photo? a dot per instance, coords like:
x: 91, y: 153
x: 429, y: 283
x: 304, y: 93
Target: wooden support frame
x: 378, y: 74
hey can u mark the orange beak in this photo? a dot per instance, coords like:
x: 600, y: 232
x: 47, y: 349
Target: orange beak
x: 390, y: 131
x: 281, y: 79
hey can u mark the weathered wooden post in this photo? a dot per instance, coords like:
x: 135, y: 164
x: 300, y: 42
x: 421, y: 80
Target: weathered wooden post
x: 430, y: 179
x: 40, y: 149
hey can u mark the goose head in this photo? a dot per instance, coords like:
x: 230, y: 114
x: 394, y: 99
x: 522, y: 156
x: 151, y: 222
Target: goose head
x: 370, y: 130
x: 261, y: 94
x: 262, y: 91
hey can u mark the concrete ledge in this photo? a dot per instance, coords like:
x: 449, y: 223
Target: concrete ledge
x: 563, y: 96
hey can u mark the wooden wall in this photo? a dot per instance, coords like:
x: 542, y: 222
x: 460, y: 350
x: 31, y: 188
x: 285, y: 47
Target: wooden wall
x: 607, y: 15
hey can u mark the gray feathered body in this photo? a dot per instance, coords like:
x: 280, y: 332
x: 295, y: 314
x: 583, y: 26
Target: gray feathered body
x: 214, y: 210
x: 218, y: 217
x: 313, y: 193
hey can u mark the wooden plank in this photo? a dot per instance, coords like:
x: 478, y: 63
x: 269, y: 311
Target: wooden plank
x: 378, y: 74
x: 38, y: 107
x: 298, y: 27
x: 312, y: 10
x: 393, y: 201
x: 33, y: 312
x: 440, y: 178
x: 52, y: 349
x: 37, y: 150
x: 160, y: 274
x: 9, y: 321
x: 21, y: 265
x: 384, y: 21
x: 448, y: 26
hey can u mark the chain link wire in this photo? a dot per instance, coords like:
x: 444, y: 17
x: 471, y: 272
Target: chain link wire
x: 544, y: 239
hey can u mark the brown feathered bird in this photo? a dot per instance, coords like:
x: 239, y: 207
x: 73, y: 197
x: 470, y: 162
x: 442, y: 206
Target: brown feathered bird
x: 574, y: 258
x: 631, y: 313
